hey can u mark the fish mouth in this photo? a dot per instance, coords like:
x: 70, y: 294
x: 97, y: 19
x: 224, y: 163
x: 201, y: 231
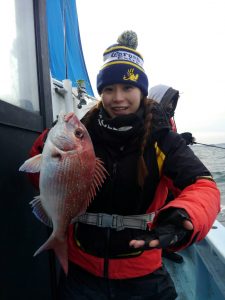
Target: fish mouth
x: 68, y: 116
x: 72, y: 119
x: 70, y: 128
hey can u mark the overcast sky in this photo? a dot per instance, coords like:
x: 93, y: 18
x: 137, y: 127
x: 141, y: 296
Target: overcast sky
x: 183, y: 46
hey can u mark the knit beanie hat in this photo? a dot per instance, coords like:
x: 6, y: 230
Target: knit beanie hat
x: 123, y: 64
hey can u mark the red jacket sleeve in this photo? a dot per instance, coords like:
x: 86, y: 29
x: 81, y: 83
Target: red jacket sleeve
x: 35, y: 150
x: 201, y: 201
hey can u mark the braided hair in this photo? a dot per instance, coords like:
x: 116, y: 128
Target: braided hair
x: 142, y: 168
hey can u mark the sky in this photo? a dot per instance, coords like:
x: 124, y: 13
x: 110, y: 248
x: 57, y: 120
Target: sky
x: 183, y: 46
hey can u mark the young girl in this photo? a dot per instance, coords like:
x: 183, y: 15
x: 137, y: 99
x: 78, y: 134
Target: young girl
x: 115, y: 251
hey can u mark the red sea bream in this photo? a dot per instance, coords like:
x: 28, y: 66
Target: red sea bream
x: 69, y: 176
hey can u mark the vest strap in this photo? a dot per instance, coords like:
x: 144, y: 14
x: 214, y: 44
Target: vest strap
x: 116, y: 222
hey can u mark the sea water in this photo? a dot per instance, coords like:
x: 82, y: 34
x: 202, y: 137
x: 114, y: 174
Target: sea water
x: 213, y: 158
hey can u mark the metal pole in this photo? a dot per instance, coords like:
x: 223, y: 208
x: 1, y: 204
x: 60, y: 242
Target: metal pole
x: 67, y: 84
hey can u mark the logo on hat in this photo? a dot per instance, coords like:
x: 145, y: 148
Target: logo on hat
x: 131, y: 76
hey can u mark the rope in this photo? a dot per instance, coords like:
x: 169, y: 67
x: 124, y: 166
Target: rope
x: 209, y: 145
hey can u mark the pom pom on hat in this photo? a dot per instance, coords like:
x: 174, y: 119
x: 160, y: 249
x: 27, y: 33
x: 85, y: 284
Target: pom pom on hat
x: 123, y: 64
x: 129, y: 39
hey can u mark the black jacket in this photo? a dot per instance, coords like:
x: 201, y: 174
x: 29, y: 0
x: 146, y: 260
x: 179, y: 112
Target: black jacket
x: 121, y: 193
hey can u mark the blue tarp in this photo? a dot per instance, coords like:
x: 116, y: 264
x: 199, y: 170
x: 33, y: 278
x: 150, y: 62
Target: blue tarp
x: 65, y: 49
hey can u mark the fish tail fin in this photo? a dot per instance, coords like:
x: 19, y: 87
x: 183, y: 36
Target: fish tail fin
x: 60, y: 249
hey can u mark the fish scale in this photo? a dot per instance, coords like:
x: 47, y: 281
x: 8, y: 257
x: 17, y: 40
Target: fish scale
x: 70, y: 173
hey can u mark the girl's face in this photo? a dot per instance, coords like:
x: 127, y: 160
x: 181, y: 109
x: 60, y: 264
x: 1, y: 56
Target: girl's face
x: 121, y: 99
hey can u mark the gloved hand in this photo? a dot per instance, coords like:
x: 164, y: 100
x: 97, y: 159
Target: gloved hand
x: 173, y: 228
x: 187, y: 136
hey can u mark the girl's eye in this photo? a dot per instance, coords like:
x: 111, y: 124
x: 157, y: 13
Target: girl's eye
x: 128, y: 87
x: 79, y: 133
x: 107, y: 89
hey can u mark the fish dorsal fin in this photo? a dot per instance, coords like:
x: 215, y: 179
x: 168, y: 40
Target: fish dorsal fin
x: 39, y: 211
x: 32, y: 165
x: 98, y: 179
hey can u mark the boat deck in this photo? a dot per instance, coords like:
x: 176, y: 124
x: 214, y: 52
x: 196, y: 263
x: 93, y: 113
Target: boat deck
x: 201, y: 275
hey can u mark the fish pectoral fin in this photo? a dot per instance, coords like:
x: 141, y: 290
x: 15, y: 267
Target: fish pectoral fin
x: 39, y: 211
x: 32, y: 165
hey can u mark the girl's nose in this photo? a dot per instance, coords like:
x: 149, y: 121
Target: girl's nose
x: 118, y: 94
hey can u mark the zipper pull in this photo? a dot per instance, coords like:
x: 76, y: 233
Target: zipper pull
x: 114, y: 168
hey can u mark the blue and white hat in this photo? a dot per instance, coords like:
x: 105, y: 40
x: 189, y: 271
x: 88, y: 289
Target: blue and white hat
x: 123, y: 64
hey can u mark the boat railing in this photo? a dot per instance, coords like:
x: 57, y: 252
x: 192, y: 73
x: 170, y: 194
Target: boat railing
x: 201, y: 275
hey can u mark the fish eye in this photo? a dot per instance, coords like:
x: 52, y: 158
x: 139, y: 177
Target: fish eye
x: 79, y: 133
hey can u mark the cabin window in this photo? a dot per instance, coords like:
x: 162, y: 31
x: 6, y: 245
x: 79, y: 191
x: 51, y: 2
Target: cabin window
x: 18, y: 72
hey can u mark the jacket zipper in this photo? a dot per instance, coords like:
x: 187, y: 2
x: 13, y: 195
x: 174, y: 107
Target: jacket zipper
x: 114, y: 169
x: 106, y: 258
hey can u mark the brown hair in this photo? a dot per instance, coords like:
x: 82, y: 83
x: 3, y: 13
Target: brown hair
x: 142, y: 168
x: 147, y: 103
x: 91, y: 113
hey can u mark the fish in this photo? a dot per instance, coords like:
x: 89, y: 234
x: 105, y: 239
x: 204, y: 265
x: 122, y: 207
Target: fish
x: 70, y: 175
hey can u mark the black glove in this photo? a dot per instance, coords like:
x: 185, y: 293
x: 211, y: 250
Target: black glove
x: 169, y: 230
x: 187, y: 136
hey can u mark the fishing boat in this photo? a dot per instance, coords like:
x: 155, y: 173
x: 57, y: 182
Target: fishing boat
x: 44, y: 72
